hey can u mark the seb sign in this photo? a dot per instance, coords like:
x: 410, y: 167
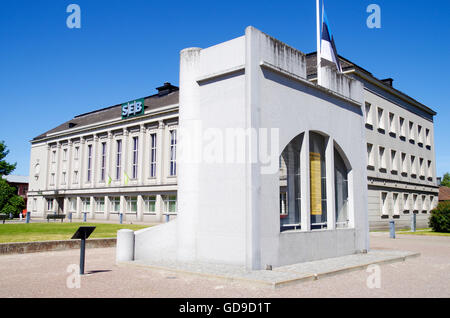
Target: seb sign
x: 133, y: 109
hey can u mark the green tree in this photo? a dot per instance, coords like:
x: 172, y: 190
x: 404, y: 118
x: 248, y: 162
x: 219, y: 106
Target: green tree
x: 5, y: 168
x: 9, y: 201
x: 446, y: 180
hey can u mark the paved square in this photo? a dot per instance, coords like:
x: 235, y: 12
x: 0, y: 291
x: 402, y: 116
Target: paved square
x: 45, y: 275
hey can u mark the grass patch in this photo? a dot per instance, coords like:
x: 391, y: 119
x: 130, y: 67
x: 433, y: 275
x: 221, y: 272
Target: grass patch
x: 33, y: 232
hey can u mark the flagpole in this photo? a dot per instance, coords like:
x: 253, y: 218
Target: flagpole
x: 319, y: 36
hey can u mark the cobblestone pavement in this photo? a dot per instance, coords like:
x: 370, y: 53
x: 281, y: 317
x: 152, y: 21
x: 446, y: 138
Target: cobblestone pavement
x: 46, y: 275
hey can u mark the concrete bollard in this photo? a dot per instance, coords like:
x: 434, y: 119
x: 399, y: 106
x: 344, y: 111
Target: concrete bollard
x: 84, y: 216
x: 121, y: 218
x: 125, y: 246
x: 413, y: 222
x: 392, y: 229
x: 70, y: 217
x: 28, y: 217
x: 167, y: 218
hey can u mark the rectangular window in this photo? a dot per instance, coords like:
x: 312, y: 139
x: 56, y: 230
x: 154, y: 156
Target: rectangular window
x: 65, y: 154
x: 89, y: 163
x: 76, y: 154
x: 369, y: 115
x: 405, y: 203
x: 75, y: 177
x: 64, y: 179
x: 86, y: 204
x: 419, y: 135
x: 412, y: 135
x: 394, y: 161
x: 103, y: 163
x: 73, y: 204
x: 413, y: 167
x: 404, y: 164
x: 131, y: 204
x: 34, y: 205
x: 53, y: 156
x: 382, y: 157
x: 118, y: 158
x: 283, y: 205
x: 173, y: 152
x: 422, y: 167
x: 135, y: 157
x: 384, y: 204
x: 429, y: 171
x: 416, y: 203
x: 402, y: 127
x: 432, y: 203
x: 52, y: 179
x: 392, y: 126
x: 153, y: 155
x: 150, y: 204
x: 170, y: 204
x: 115, y: 204
x: 381, y: 125
x: 370, y: 156
x: 100, y: 204
x: 49, y: 205
x: 396, y: 204
x: 427, y: 138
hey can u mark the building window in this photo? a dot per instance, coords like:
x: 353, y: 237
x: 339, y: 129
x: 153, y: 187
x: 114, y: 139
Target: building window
x: 173, y: 152
x: 341, y: 191
x: 396, y: 202
x: 369, y: 115
x: 52, y: 179
x: 392, y: 128
x: 424, y: 204
x: 382, y: 158
x: 405, y: 203
x: 118, y: 158
x: 54, y: 156
x: 131, y: 204
x: 49, y: 205
x: 422, y: 168
x: 430, y: 171
x: 318, y: 182
x: 73, y: 204
x: 170, y: 204
x: 100, y: 204
x: 153, y: 155
x: 135, y: 157
x: 89, y: 163
x: 86, y: 204
x: 402, y: 128
x: 76, y: 154
x: 75, y: 177
x: 384, y: 204
x: 381, y: 126
x: 103, y: 163
x: 290, y: 192
x: 413, y: 167
x: 115, y: 204
x: 412, y: 135
x: 427, y: 138
x: 404, y: 165
x: 419, y: 135
x: 416, y: 203
x: 394, y: 160
x: 432, y: 203
x: 150, y: 204
x: 64, y: 179
x: 65, y: 154
x: 370, y: 156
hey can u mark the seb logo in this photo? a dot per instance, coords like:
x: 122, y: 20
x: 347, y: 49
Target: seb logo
x: 132, y: 109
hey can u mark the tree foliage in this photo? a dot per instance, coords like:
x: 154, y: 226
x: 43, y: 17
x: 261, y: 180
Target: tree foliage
x: 9, y: 201
x: 446, y: 180
x: 5, y: 168
x: 440, y: 218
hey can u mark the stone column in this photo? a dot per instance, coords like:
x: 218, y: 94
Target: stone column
x: 305, y: 184
x: 160, y: 146
x: 125, y: 150
x: 141, y: 154
x: 329, y: 163
x: 95, y: 162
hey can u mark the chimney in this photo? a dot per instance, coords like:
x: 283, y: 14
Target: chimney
x: 166, y: 89
x: 388, y: 81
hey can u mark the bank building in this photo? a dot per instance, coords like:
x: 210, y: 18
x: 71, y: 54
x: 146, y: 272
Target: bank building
x: 353, y: 154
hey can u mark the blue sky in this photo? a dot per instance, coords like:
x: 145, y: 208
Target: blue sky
x: 125, y: 49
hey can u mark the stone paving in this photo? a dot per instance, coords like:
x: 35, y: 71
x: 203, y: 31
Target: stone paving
x: 281, y: 275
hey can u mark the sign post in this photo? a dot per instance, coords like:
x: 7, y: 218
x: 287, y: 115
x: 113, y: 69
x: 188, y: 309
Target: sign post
x: 82, y: 234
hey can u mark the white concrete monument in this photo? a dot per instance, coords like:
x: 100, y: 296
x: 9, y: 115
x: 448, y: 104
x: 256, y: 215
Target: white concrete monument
x: 272, y: 167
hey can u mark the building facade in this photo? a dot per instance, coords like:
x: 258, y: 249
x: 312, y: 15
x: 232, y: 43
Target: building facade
x: 122, y: 159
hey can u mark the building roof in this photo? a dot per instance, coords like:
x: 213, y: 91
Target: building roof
x: 444, y: 194
x: 16, y: 179
x: 311, y: 72
x: 167, y: 95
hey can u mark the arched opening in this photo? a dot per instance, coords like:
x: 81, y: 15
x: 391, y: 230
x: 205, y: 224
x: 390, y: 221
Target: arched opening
x: 326, y: 205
